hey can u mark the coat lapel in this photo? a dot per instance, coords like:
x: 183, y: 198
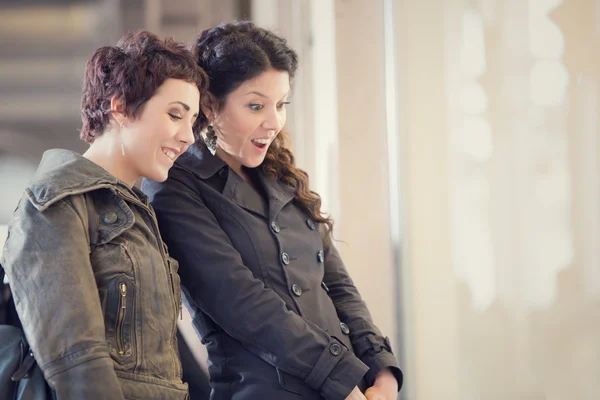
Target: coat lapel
x: 237, y: 190
x: 278, y: 194
x: 244, y: 195
x: 206, y: 165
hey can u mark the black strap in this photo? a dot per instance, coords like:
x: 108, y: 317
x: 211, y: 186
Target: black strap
x: 7, y: 308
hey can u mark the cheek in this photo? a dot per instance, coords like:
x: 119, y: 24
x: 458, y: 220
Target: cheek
x: 149, y: 141
x: 283, y: 117
x: 236, y: 133
x: 146, y: 153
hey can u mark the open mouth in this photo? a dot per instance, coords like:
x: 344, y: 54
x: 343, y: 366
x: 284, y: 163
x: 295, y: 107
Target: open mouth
x: 170, y: 153
x: 261, y: 143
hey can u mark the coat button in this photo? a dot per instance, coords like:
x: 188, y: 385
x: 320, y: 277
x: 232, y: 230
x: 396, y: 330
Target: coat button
x: 285, y: 258
x: 296, y: 290
x: 311, y: 224
x: 345, y: 329
x: 335, y: 349
x: 110, y: 217
x: 275, y: 227
x: 321, y: 256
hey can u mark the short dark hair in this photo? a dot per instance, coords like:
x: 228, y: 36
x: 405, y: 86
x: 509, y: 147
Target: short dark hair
x: 235, y: 52
x: 132, y: 70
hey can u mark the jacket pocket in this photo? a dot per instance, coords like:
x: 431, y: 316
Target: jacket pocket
x: 120, y: 317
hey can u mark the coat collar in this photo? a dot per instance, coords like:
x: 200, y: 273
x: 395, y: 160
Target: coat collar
x: 205, y: 165
x: 200, y: 161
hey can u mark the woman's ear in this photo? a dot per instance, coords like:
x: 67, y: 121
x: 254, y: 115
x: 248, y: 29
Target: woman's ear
x: 209, y: 107
x: 117, y: 109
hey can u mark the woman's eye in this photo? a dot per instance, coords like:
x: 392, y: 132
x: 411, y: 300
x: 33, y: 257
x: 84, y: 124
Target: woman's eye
x: 256, y: 107
x: 174, y: 117
x: 283, y: 105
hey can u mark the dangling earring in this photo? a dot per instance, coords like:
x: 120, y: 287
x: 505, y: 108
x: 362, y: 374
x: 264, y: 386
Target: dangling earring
x: 122, y: 125
x: 211, y: 139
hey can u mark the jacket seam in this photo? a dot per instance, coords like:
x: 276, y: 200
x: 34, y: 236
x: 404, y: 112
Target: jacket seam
x: 69, y: 361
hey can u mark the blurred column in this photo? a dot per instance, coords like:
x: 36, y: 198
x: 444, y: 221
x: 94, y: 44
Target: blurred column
x: 422, y: 56
x: 580, y: 22
x: 364, y: 232
x: 325, y: 74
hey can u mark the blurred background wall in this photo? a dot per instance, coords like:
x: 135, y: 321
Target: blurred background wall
x: 455, y: 142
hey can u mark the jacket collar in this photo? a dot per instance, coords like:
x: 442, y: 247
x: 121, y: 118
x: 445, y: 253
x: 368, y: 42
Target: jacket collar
x: 202, y: 163
x: 63, y: 173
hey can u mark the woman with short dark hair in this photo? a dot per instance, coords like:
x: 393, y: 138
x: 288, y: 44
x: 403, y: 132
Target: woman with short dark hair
x: 95, y: 289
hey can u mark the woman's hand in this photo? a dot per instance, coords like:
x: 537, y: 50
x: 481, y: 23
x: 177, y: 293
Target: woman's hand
x: 384, y: 388
x: 356, y: 394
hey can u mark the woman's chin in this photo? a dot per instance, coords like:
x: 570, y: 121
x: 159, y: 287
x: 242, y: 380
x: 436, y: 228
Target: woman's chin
x: 253, y: 162
x: 158, y: 175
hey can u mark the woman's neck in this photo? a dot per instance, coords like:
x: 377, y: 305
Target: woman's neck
x: 234, y: 164
x: 108, y: 154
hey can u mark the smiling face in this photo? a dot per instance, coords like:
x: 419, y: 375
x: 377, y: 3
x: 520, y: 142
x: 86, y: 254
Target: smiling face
x: 152, y: 141
x: 250, y: 119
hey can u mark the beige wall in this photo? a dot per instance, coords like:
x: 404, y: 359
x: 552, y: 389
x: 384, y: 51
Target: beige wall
x: 433, y: 373
x: 498, y: 114
x: 364, y: 224
x: 499, y: 125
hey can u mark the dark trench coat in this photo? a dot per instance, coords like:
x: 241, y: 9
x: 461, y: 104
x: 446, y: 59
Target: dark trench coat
x: 275, y: 306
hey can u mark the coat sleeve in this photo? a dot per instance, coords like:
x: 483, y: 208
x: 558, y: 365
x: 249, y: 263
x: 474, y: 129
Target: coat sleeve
x: 226, y: 290
x: 369, y: 345
x: 46, y: 258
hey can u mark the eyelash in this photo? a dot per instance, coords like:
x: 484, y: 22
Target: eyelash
x: 174, y: 117
x: 258, y: 107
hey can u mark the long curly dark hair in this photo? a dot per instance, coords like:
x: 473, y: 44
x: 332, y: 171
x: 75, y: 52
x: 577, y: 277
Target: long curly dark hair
x: 234, y: 53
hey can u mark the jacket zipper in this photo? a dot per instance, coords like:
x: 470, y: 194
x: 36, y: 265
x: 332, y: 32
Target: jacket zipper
x: 121, y: 317
x: 160, y: 244
x: 176, y: 303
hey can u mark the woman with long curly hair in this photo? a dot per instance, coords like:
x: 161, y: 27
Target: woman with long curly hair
x: 270, y: 296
